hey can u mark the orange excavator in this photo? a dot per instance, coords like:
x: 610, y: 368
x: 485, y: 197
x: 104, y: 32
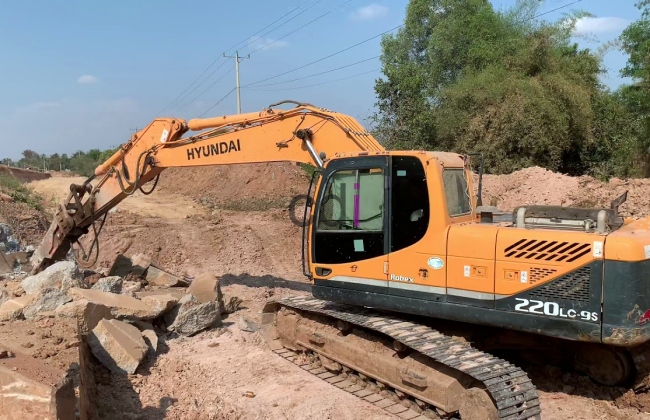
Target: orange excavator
x: 405, y: 263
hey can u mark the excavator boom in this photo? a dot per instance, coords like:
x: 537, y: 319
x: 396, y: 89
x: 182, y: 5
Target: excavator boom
x: 305, y: 133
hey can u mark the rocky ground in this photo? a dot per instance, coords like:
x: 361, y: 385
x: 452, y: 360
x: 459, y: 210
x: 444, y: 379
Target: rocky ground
x: 192, y: 225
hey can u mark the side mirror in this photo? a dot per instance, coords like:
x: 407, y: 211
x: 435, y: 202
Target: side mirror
x: 416, y: 215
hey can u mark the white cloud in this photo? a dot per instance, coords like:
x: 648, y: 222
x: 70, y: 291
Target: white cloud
x: 372, y: 11
x: 596, y: 25
x: 87, y: 79
x: 257, y: 42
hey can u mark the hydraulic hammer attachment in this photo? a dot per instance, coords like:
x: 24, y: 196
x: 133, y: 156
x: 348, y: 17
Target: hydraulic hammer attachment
x: 66, y: 227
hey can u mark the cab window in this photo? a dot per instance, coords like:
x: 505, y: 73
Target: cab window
x: 350, y: 223
x: 353, y: 200
x: 457, y: 192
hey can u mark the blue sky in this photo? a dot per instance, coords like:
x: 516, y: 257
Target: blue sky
x: 77, y: 75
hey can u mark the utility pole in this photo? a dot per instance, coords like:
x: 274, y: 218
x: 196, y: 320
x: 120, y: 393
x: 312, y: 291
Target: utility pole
x: 237, y: 61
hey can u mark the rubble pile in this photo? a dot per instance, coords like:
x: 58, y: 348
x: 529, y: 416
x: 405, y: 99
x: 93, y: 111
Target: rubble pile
x: 14, y: 259
x: 138, y: 301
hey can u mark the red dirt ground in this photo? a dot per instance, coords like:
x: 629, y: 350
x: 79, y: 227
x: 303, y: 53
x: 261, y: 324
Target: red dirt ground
x: 196, y: 224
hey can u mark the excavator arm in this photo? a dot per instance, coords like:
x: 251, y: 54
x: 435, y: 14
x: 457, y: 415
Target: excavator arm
x: 304, y: 134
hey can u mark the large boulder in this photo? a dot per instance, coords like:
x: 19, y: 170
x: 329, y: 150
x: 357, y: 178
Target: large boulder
x: 46, y: 300
x: 112, y: 284
x: 206, y: 288
x: 190, y: 316
x: 149, y: 335
x: 62, y: 275
x: 124, y: 266
x: 161, y: 303
x: 158, y: 277
x: 12, y: 309
x: 72, y: 309
x: 118, y: 345
x: 124, y: 306
x: 195, y: 319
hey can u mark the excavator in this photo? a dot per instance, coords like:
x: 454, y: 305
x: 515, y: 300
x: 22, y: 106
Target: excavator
x: 417, y: 288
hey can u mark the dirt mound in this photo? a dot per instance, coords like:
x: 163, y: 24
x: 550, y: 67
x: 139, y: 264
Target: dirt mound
x: 246, y: 187
x: 23, y: 175
x: 540, y: 186
x: 224, y: 242
x: 165, y: 204
x: 28, y: 225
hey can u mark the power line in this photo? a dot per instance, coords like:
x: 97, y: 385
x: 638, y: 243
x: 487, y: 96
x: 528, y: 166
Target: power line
x: 315, y: 84
x: 237, y: 57
x: 171, y: 104
x: 251, y: 86
x: 201, y: 84
x: 306, y: 24
x: 284, y: 23
x: 277, y: 20
x: 176, y: 100
x: 557, y: 8
x: 324, y: 58
x: 374, y: 37
x: 206, y: 89
x: 318, y: 74
x: 218, y: 102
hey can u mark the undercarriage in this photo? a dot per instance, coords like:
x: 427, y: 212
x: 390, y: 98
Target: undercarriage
x: 419, y: 371
x: 419, y: 368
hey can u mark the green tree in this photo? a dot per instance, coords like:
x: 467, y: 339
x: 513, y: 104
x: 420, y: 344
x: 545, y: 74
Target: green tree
x: 635, y: 41
x: 463, y: 77
x: 420, y: 60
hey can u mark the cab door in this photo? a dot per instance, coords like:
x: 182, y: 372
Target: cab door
x: 417, y: 257
x: 350, y: 238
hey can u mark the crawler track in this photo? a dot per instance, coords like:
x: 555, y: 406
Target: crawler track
x: 513, y: 393
x: 350, y: 384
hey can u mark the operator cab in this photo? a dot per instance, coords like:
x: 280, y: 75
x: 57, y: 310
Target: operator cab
x: 375, y: 226
x: 368, y: 207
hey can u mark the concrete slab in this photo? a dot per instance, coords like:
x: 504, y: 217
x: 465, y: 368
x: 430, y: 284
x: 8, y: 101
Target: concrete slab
x: 118, y: 345
x: 123, y: 265
x: 177, y: 292
x: 160, y: 304
x: 121, y: 306
x: 158, y: 277
x: 141, y: 263
x: 30, y: 389
x: 13, y: 308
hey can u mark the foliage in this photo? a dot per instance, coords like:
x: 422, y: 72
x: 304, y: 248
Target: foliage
x: 12, y: 187
x: 308, y: 169
x: 635, y: 41
x: 83, y: 163
x: 463, y: 77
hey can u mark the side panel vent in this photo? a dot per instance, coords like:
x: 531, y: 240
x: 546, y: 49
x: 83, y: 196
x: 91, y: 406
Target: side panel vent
x: 547, y: 250
x: 537, y: 274
x: 573, y: 287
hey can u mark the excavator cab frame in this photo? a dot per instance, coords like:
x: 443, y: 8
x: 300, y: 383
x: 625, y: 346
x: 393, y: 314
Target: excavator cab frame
x: 307, y: 218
